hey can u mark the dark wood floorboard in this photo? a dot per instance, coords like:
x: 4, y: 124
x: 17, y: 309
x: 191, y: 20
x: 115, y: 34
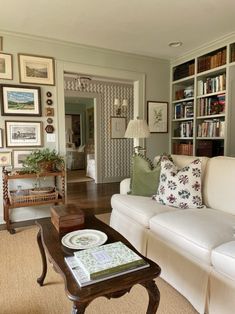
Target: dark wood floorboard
x: 91, y: 197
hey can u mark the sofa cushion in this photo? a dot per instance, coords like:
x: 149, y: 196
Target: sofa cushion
x: 180, y: 187
x: 194, y: 231
x: 144, y: 176
x: 138, y: 208
x: 218, y: 191
x: 223, y: 259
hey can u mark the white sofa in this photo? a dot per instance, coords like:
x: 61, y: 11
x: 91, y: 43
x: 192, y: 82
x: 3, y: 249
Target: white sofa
x: 195, y: 248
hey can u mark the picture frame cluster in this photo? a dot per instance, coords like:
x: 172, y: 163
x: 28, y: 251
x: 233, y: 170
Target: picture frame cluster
x: 22, y: 135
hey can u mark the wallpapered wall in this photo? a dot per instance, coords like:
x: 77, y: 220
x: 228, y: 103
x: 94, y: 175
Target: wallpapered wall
x: 116, y: 153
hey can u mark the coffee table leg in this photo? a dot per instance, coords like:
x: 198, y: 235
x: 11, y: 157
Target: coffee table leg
x: 44, y: 260
x: 154, y: 296
x: 79, y: 308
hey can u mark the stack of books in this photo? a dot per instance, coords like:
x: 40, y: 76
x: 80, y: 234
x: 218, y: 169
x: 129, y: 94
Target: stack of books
x: 103, y: 262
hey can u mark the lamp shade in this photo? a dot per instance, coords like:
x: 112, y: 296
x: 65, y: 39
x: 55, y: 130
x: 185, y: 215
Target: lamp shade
x: 137, y: 128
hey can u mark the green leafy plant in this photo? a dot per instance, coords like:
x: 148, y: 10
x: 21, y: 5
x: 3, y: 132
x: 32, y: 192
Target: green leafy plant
x: 43, y: 160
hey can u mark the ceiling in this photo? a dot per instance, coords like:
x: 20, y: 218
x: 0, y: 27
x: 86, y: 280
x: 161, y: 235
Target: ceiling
x: 142, y: 27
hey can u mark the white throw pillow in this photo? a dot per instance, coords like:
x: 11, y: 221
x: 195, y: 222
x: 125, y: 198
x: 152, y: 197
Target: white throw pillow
x: 180, y: 187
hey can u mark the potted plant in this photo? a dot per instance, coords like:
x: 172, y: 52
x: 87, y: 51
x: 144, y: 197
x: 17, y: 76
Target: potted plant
x: 43, y: 160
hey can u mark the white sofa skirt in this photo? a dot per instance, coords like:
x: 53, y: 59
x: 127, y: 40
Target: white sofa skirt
x: 221, y: 294
x: 186, y: 275
x: 135, y: 233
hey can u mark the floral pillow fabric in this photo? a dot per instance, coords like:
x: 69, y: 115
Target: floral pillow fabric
x: 180, y: 187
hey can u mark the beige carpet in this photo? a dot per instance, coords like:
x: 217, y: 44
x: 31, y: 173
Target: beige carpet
x: 20, y: 264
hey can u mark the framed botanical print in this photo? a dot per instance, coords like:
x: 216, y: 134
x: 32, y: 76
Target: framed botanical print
x: 157, y: 116
x: 20, y: 100
x: 6, y: 72
x: 5, y: 159
x: 23, y: 133
x: 118, y: 127
x: 36, y: 69
x: 1, y: 138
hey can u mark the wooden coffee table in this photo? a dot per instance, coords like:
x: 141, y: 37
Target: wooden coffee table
x: 49, y: 242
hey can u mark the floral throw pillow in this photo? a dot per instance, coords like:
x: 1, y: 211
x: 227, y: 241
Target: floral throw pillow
x: 180, y: 187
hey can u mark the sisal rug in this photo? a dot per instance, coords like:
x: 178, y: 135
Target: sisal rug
x: 20, y: 263
x: 74, y: 176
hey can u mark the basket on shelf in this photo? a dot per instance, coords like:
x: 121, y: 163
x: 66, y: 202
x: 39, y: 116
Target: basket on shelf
x: 27, y: 196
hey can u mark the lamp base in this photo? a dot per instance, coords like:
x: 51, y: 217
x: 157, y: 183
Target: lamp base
x: 140, y: 150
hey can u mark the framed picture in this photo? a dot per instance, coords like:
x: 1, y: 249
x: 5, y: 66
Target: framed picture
x: 6, y: 72
x: 1, y: 43
x: 20, y: 100
x: 157, y: 116
x: 5, y: 159
x: 49, y: 112
x: 23, y: 133
x: 118, y: 127
x: 36, y: 69
x: 19, y: 157
x: 1, y: 138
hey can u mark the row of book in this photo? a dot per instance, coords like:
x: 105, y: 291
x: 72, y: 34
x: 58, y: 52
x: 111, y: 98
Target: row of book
x: 211, y: 128
x: 185, y: 129
x: 103, y: 262
x: 183, y: 149
x: 212, y: 84
x: 183, y: 70
x: 211, y: 105
x: 212, y: 61
x: 183, y: 110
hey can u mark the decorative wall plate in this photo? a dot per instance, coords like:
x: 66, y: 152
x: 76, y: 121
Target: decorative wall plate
x: 49, y: 120
x: 49, y: 112
x: 49, y: 129
x: 49, y: 102
x: 49, y: 94
x: 84, y: 239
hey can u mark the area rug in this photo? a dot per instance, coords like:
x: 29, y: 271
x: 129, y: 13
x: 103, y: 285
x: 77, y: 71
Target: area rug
x: 20, y: 263
x: 74, y: 176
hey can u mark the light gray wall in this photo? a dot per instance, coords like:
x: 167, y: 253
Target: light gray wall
x: 156, y: 71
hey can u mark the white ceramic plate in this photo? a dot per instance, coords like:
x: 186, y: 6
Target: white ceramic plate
x: 84, y: 239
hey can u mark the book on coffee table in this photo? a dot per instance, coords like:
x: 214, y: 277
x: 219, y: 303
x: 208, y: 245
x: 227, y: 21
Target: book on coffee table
x: 108, y: 260
x: 82, y: 278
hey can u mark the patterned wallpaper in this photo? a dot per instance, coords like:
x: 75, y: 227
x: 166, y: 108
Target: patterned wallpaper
x: 116, y: 153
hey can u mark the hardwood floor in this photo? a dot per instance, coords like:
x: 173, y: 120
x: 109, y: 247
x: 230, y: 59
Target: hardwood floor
x: 91, y: 196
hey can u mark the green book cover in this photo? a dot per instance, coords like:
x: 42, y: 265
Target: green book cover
x: 108, y: 259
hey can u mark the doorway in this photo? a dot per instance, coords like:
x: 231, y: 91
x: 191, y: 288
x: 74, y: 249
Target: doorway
x: 80, y: 138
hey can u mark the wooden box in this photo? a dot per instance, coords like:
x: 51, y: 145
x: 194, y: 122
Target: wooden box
x: 67, y: 218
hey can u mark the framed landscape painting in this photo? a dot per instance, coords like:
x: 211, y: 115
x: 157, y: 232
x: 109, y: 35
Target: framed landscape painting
x: 19, y: 157
x: 20, y: 100
x: 157, y: 117
x: 36, y: 69
x: 23, y: 133
x: 6, y: 72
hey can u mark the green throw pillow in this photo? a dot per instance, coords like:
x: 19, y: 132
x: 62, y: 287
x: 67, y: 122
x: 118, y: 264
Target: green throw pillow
x: 144, y: 176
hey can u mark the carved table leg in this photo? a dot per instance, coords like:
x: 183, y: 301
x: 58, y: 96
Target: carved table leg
x: 154, y: 296
x: 79, y: 308
x: 44, y: 261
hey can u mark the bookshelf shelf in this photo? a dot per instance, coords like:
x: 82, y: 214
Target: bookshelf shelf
x: 208, y: 94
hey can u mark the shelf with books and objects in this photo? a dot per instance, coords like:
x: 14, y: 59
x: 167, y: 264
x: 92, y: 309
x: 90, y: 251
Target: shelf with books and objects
x: 184, y: 70
x: 210, y: 106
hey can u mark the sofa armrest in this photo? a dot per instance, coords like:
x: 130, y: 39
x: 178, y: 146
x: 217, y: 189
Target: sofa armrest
x: 125, y: 186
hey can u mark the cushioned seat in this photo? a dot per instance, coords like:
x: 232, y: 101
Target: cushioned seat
x: 194, y: 231
x: 138, y: 208
x: 223, y: 259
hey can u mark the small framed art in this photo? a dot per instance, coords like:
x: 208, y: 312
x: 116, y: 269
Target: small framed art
x: 6, y: 72
x: 23, y: 133
x: 157, y: 116
x: 1, y: 43
x: 20, y: 100
x: 1, y: 138
x: 5, y: 159
x: 36, y: 69
x: 19, y: 157
x: 118, y: 127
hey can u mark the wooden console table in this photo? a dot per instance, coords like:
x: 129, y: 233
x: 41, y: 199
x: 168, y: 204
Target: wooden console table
x: 33, y: 200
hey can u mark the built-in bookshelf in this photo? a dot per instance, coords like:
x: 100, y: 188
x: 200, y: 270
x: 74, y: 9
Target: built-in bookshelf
x: 203, y: 104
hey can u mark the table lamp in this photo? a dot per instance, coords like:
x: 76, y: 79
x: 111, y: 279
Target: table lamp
x: 137, y: 129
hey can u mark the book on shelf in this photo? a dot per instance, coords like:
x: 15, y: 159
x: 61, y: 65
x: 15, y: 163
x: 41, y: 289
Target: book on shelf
x: 108, y: 260
x: 183, y: 149
x: 81, y: 277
